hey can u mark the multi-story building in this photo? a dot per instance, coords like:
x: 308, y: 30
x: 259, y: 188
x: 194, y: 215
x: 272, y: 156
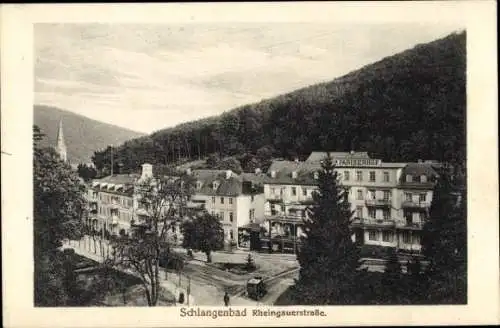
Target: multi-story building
x: 390, y: 200
x: 237, y: 200
x: 115, y: 205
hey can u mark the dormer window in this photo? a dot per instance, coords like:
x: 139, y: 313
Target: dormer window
x: 273, y: 174
x: 215, y: 185
x: 409, y: 178
x: 198, y: 184
x: 316, y: 175
x: 294, y: 175
x: 423, y: 178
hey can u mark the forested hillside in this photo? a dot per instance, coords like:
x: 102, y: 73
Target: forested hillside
x: 83, y: 136
x: 405, y: 107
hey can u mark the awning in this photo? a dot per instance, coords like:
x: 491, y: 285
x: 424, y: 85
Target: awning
x: 142, y: 211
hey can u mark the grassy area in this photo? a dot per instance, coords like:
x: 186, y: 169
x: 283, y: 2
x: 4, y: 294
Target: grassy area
x: 100, y: 286
x: 236, y: 268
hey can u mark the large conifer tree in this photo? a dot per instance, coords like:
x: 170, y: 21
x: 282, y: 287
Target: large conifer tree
x: 329, y: 256
x: 444, y: 240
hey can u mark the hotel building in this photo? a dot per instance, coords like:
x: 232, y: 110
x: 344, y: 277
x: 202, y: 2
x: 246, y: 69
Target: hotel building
x: 236, y: 199
x: 390, y: 201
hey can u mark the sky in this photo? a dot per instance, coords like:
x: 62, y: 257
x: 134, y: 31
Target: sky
x: 149, y: 77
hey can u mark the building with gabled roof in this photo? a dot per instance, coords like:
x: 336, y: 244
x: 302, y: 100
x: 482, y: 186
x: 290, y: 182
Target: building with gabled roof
x: 390, y: 200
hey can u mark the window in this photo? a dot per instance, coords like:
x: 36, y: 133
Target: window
x: 387, y: 215
x: 416, y: 239
x: 372, y: 235
x: 422, y: 197
x: 359, y: 176
x: 213, y: 213
x: 406, y: 237
x: 408, y: 216
x: 252, y: 198
x: 423, y: 178
x: 213, y: 200
x: 221, y: 215
x: 346, y: 175
x: 231, y: 235
x: 409, y: 178
x: 407, y: 196
x: 360, y: 194
x: 251, y: 214
x: 372, y: 213
x: 372, y: 176
x: 273, y: 191
x: 231, y: 200
x: 387, y: 195
x: 371, y: 194
x: 294, y: 191
x: 386, y: 176
x: 304, y: 191
x: 173, y: 228
x: 387, y: 236
x: 222, y: 200
x: 230, y: 216
x: 359, y: 211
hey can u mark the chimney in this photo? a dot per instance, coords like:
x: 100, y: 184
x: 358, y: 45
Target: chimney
x: 273, y: 174
x: 188, y: 171
x: 228, y: 174
x: 147, y: 171
x: 294, y: 175
x: 258, y: 171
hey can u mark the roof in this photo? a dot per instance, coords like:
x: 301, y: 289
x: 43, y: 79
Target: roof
x: 305, y: 172
x: 418, y: 170
x: 318, y: 156
x: 119, y: 179
x: 232, y: 186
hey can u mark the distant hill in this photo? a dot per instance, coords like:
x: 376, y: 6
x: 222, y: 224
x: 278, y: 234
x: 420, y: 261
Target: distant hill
x: 83, y: 135
x: 405, y: 107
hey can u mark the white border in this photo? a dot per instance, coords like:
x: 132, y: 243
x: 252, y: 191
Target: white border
x: 17, y: 99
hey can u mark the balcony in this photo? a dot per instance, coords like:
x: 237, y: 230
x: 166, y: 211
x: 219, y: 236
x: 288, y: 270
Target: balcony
x: 409, y: 225
x: 378, y: 202
x: 410, y: 204
x: 275, y: 197
x: 374, y: 223
x: 284, y: 218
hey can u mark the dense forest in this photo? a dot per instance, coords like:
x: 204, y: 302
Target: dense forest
x: 405, y: 107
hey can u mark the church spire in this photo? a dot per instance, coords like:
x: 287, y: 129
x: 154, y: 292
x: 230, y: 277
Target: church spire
x: 61, y: 145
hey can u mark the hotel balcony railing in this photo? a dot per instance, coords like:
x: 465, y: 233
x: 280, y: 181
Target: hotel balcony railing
x: 275, y: 197
x: 378, y: 202
x: 415, y: 204
x: 409, y: 225
x: 295, y: 218
x: 374, y: 222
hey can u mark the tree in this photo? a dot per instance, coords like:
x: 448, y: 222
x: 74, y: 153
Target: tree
x: 86, y: 172
x: 58, y: 208
x: 250, y: 265
x: 444, y: 240
x: 328, y: 255
x: 392, y: 279
x: 203, y: 233
x: 163, y: 202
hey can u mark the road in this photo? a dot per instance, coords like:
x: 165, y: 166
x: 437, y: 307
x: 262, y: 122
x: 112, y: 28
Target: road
x: 208, y: 284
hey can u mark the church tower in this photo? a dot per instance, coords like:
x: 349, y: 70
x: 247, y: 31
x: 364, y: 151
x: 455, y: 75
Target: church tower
x: 61, y: 145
